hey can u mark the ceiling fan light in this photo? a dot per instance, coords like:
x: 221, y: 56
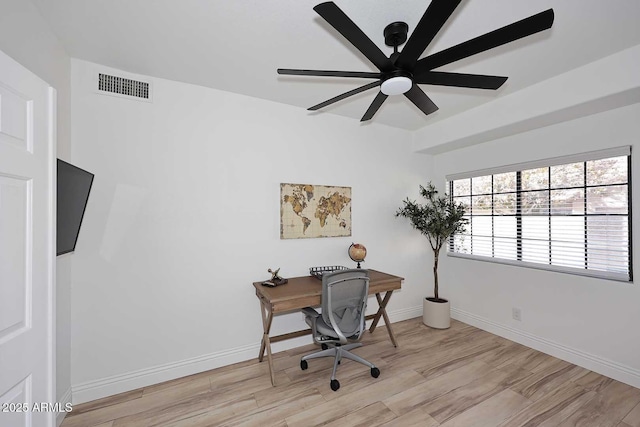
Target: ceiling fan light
x: 396, y: 85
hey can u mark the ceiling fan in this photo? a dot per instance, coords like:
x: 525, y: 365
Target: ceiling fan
x: 402, y: 72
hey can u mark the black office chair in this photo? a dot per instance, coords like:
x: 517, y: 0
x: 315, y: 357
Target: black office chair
x: 342, y: 322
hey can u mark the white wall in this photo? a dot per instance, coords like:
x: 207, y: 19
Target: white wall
x: 26, y: 37
x: 591, y: 322
x: 184, y: 216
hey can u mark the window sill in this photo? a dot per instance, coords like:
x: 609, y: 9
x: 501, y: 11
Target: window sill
x: 617, y: 277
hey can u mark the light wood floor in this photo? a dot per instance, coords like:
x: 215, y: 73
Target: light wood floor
x: 462, y: 376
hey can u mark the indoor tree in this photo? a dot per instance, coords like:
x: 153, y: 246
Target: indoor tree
x: 438, y: 219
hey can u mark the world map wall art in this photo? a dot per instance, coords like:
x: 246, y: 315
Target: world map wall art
x: 308, y: 211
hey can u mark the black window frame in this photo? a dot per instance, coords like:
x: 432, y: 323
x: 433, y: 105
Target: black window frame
x: 519, y: 191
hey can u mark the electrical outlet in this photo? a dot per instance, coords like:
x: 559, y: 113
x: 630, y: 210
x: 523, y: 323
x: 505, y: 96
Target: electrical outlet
x: 516, y: 313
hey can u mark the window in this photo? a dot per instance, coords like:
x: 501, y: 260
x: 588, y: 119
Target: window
x: 569, y: 214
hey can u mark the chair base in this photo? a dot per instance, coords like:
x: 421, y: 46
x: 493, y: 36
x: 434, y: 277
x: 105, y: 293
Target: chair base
x: 340, y: 352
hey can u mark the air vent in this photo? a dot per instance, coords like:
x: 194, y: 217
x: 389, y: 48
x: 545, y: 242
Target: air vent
x: 122, y: 86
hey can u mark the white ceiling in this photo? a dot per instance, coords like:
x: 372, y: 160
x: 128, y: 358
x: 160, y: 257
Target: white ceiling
x: 237, y: 45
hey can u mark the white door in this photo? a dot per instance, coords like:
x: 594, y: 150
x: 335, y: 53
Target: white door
x: 27, y: 129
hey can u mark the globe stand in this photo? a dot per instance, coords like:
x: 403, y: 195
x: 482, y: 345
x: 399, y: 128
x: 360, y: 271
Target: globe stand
x: 358, y: 264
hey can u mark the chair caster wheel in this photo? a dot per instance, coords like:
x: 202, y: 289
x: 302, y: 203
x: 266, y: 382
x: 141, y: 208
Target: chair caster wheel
x: 375, y: 372
x: 304, y: 365
x: 335, y: 385
x: 324, y: 346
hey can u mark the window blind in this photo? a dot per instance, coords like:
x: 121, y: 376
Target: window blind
x: 569, y: 214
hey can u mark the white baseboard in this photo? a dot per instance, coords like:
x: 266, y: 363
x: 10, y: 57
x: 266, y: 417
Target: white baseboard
x: 109, y: 386
x: 404, y: 314
x: 115, y: 384
x: 586, y: 360
x: 64, y: 400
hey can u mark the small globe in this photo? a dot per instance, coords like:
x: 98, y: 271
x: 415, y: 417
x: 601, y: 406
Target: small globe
x: 357, y: 252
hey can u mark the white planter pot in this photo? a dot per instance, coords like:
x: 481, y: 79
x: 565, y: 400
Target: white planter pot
x: 436, y: 314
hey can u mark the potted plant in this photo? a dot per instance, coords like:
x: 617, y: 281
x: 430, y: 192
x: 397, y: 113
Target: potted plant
x: 438, y: 220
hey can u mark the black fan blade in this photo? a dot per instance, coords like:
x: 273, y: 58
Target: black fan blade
x: 374, y: 107
x: 431, y: 22
x: 477, y: 81
x: 344, y: 95
x: 504, y: 35
x: 345, y: 26
x: 421, y: 100
x: 323, y: 73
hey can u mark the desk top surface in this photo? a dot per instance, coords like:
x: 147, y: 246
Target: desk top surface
x: 308, y: 287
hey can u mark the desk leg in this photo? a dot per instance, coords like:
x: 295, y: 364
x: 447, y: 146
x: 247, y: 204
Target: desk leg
x: 267, y: 317
x: 383, y: 312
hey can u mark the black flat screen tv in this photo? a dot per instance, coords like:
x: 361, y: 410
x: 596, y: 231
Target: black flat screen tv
x: 74, y: 185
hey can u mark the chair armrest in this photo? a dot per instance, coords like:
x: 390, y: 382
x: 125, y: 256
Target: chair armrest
x: 308, y: 311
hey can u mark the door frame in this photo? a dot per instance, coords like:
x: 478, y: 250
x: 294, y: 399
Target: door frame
x: 52, y: 131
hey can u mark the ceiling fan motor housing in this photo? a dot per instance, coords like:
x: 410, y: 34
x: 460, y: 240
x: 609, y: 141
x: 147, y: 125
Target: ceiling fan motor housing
x: 398, y: 81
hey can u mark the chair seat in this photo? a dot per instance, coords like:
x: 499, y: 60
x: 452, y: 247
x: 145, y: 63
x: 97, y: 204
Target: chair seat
x: 322, y: 327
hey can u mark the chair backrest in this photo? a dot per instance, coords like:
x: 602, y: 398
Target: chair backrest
x: 344, y: 301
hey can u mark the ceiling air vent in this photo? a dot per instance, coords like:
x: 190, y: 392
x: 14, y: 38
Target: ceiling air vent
x: 122, y: 86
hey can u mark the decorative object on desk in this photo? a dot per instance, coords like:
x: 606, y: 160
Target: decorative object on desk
x: 317, y: 272
x: 357, y: 253
x: 308, y: 211
x: 438, y: 219
x: 275, y: 278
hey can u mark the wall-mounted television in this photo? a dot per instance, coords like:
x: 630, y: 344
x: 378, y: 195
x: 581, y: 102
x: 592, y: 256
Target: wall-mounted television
x: 74, y: 185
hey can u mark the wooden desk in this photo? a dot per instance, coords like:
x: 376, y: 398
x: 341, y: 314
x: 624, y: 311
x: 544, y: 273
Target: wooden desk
x: 306, y: 291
